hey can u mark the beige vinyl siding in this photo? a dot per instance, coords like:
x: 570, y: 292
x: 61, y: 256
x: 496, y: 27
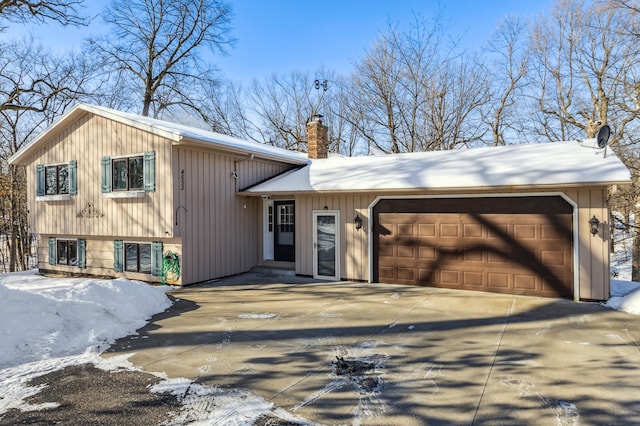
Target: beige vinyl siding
x: 353, y: 243
x: 220, y: 229
x: 87, y: 140
x: 99, y: 252
x: 593, y: 262
x: 594, y: 250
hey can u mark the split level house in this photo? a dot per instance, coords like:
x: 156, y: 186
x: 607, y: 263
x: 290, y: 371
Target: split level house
x: 114, y: 194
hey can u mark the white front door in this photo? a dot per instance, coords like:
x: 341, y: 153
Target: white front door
x: 326, y: 244
x: 267, y: 240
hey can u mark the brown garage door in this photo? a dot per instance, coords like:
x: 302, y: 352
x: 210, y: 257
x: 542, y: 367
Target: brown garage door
x: 519, y: 245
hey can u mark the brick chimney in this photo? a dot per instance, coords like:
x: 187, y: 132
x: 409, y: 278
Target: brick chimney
x: 317, y: 139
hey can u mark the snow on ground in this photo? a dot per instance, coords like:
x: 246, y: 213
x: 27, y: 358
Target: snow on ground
x: 51, y: 323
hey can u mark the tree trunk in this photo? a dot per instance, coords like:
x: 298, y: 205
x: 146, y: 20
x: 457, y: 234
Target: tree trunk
x: 635, y: 262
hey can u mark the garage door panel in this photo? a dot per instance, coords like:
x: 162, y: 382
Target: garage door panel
x: 405, y: 229
x: 449, y: 229
x: 553, y: 257
x: 524, y: 282
x: 511, y: 252
x: 426, y: 253
x: 524, y: 231
x: 451, y: 277
x: 473, y: 255
x: 386, y: 250
x: 472, y: 278
x: 497, y: 280
x: 497, y: 231
x: 406, y: 251
x: 386, y: 273
x: 406, y: 274
x: 426, y: 230
x: 472, y: 230
x: 551, y: 232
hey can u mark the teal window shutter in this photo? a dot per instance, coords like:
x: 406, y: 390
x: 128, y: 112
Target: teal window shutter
x: 150, y: 171
x: 118, y: 256
x: 40, y: 180
x: 52, y: 251
x: 106, y: 174
x: 156, y: 258
x: 82, y: 253
x: 73, y: 177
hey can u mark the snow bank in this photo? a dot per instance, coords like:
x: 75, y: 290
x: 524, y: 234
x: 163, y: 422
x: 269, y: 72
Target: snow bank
x: 43, y: 318
x: 625, y: 296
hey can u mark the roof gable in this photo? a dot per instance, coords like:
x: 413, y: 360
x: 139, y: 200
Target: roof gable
x: 177, y: 133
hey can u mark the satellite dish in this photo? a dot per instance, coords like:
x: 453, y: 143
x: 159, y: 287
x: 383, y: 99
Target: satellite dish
x: 603, y: 136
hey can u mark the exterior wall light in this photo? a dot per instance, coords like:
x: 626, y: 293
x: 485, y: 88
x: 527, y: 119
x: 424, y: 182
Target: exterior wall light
x: 358, y: 221
x: 594, y: 223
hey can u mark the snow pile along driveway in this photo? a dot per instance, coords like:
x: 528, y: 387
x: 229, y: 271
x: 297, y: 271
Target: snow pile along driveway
x: 45, y: 318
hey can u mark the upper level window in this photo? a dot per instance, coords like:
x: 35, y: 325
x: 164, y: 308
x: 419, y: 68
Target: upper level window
x: 54, y: 180
x: 128, y: 174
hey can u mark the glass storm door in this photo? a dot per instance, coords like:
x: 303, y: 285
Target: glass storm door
x: 326, y: 247
x: 284, y: 237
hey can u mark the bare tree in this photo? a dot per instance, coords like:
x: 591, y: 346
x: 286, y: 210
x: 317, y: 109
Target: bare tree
x: 65, y: 12
x: 282, y: 105
x: 578, y: 63
x: 157, y: 48
x: 453, y: 114
x: 35, y: 88
x: 508, y: 59
x: 411, y: 94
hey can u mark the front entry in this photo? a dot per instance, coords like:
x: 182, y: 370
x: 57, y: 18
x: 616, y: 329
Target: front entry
x: 284, y: 237
x: 326, y: 247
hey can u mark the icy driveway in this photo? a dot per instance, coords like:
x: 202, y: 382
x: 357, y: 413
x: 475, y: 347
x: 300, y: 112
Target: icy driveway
x: 352, y: 353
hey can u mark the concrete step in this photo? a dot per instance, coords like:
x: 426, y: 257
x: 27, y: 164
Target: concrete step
x: 273, y: 271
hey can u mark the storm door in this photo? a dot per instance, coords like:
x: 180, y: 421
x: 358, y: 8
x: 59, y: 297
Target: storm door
x: 326, y: 244
x: 284, y: 237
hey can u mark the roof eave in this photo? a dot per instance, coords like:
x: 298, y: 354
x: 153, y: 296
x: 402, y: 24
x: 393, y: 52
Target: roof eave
x: 528, y: 187
x: 185, y: 140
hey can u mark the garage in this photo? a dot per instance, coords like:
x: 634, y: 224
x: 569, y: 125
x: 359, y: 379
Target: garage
x: 517, y: 245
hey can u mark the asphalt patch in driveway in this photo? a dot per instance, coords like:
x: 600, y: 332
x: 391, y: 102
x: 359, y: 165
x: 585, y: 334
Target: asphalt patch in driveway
x: 88, y: 395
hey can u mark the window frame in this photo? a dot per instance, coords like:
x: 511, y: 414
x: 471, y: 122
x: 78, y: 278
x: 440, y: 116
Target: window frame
x: 125, y: 266
x: 147, y: 180
x: 127, y: 161
x: 57, y: 168
x: 55, y: 244
x: 42, y: 186
x: 66, y: 242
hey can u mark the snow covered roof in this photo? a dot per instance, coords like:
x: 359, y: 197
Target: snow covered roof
x: 546, y: 164
x: 177, y: 133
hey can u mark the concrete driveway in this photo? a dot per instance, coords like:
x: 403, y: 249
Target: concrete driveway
x: 376, y: 354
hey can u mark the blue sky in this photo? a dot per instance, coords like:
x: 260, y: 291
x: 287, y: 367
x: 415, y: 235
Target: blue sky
x: 279, y: 36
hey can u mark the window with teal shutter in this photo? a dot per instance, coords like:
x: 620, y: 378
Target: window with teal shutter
x: 73, y: 177
x: 40, y: 180
x: 106, y: 174
x: 150, y: 171
x: 52, y: 250
x: 82, y: 253
x: 156, y: 258
x: 118, y: 256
